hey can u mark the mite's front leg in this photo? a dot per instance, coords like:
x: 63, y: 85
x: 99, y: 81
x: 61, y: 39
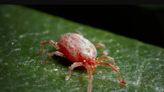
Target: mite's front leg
x: 71, y: 68
x: 53, y: 44
x: 49, y: 42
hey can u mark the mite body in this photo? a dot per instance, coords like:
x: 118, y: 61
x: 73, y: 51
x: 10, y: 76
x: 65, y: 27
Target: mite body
x: 81, y: 52
x: 76, y: 48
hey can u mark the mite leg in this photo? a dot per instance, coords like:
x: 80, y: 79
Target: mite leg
x: 78, y: 32
x: 114, y: 68
x: 57, y: 53
x: 71, y: 68
x: 52, y: 43
x: 90, y: 77
x: 99, y: 45
x: 106, y: 58
x: 49, y: 42
x: 102, y: 47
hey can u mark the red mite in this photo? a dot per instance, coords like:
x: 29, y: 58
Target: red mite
x: 81, y: 52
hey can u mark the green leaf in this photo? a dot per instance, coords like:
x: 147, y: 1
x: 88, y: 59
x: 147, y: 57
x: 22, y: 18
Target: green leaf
x: 21, y: 70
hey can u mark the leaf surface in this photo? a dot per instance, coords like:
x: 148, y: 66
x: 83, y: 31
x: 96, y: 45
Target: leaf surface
x: 21, y: 70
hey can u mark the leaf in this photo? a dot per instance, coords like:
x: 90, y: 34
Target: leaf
x: 21, y: 70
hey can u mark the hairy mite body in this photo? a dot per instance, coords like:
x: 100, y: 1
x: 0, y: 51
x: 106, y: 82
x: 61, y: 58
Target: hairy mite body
x: 81, y: 52
x: 76, y: 48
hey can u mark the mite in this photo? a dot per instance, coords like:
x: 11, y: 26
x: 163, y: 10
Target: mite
x: 81, y: 52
